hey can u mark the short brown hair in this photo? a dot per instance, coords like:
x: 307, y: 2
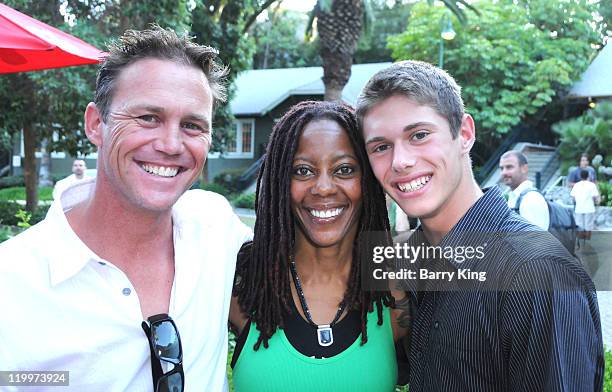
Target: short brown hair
x: 159, y: 43
x: 418, y: 81
x: 520, y: 157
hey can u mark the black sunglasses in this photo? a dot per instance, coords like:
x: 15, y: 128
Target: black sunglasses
x: 165, y: 345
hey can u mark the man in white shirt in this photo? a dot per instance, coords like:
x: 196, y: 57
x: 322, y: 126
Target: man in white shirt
x: 78, y: 174
x: 586, y: 195
x: 532, y: 205
x: 132, y: 245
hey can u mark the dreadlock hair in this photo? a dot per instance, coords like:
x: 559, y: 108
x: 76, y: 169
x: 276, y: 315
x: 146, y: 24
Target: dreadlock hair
x: 262, y: 284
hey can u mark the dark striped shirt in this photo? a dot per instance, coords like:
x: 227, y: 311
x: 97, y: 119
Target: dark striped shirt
x: 534, y: 326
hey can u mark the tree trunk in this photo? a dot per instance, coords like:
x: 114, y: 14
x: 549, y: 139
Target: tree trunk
x: 339, y: 30
x: 30, y: 173
x: 336, y: 73
x: 44, y: 175
x: 333, y: 93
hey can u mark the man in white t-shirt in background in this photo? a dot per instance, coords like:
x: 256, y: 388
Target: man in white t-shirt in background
x: 533, y: 207
x: 586, y: 195
x: 78, y: 173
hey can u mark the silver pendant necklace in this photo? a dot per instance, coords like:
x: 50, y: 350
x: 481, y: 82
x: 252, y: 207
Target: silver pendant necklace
x: 325, y: 333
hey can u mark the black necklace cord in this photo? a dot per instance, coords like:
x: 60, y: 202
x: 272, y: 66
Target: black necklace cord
x: 300, y: 292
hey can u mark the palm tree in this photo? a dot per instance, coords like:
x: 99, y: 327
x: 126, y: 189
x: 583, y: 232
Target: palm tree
x: 339, y: 24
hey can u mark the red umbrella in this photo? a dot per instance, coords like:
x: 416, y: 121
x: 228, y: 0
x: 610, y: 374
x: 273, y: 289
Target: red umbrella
x: 27, y: 44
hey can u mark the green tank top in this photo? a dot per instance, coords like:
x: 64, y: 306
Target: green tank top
x: 281, y: 368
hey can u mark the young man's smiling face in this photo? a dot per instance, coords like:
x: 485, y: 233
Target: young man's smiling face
x: 414, y: 155
x: 154, y: 142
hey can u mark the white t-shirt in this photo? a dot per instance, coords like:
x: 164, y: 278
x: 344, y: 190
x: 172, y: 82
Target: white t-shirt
x: 583, y: 192
x: 65, y: 308
x: 533, y: 205
x: 64, y: 184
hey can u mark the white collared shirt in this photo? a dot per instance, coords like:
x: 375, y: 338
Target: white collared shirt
x: 65, y: 308
x: 533, y: 206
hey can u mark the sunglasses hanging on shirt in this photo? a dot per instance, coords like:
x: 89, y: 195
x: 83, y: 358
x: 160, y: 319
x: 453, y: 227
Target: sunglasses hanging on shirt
x: 165, y: 344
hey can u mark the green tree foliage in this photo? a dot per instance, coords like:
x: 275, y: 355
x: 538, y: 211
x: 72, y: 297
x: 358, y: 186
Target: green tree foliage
x: 386, y: 19
x: 39, y: 102
x: 225, y: 25
x: 340, y: 24
x: 605, y: 10
x: 279, y: 41
x: 590, y: 133
x: 46, y: 102
x: 512, y: 60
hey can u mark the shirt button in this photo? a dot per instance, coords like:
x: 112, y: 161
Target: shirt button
x: 419, y: 355
x: 436, y: 325
x: 127, y: 291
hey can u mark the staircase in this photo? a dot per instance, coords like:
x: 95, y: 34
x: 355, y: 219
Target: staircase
x: 543, y: 163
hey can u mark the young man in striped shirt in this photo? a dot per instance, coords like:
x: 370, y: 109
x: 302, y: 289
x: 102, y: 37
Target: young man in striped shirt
x: 533, y: 325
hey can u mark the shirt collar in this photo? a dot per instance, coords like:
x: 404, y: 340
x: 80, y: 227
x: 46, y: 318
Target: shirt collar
x: 524, y: 185
x: 481, y: 220
x: 68, y: 254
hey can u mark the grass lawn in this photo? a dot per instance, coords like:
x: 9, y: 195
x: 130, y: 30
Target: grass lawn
x: 18, y: 193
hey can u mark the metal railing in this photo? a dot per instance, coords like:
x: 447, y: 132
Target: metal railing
x: 250, y: 174
x: 491, y: 164
x: 548, y: 170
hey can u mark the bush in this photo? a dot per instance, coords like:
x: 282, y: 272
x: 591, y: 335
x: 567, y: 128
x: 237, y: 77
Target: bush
x: 11, y: 181
x: 605, y: 190
x: 590, y: 133
x: 229, y: 179
x: 39, y: 214
x: 246, y: 200
x: 8, y: 212
x: 5, y: 233
x: 217, y: 188
x: 608, y: 371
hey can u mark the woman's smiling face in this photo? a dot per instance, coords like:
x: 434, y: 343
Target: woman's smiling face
x: 326, y: 185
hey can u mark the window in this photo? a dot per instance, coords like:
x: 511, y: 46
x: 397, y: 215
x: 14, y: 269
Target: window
x: 244, y: 140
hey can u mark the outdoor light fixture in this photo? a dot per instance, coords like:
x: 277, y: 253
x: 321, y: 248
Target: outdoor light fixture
x: 446, y: 33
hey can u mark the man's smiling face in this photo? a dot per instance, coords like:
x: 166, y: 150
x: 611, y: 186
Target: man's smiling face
x: 413, y: 155
x: 154, y: 142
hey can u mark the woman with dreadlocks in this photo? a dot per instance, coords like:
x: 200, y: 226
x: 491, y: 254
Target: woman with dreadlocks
x: 303, y: 319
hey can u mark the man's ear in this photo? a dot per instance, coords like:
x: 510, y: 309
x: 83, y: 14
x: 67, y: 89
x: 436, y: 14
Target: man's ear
x: 525, y: 169
x: 93, y: 124
x: 467, y: 134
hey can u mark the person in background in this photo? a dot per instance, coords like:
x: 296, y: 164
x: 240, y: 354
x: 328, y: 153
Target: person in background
x: 78, y: 173
x: 574, y: 175
x: 586, y: 196
x: 524, y: 198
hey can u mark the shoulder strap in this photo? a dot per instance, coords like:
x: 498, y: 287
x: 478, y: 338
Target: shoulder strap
x: 521, y: 195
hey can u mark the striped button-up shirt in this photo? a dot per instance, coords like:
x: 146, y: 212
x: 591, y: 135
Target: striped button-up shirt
x: 532, y: 326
